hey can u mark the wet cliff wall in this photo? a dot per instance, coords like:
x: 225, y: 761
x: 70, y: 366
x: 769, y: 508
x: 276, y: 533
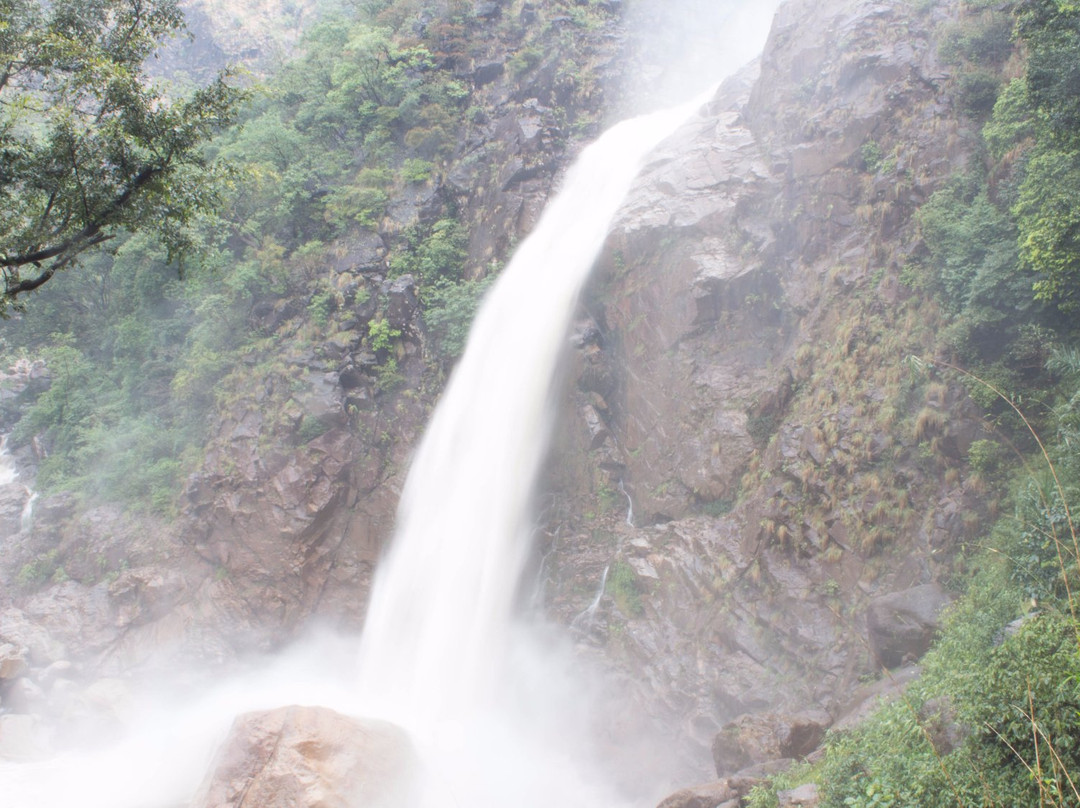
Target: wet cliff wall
x: 742, y: 378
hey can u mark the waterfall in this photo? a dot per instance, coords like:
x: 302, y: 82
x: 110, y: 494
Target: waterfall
x: 437, y: 642
x: 442, y: 600
x: 8, y: 471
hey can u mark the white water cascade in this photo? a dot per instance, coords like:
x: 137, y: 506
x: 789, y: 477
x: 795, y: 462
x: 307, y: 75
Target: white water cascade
x: 436, y: 644
x: 443, y: 598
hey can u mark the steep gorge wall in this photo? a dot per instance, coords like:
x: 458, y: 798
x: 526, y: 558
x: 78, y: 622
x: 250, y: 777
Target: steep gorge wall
x: 742, y: 374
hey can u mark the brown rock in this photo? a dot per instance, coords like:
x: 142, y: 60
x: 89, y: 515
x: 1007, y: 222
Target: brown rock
x: 12, y: 661
x: 705, y: 796
x: 752, y: 739
x: 309, y: 757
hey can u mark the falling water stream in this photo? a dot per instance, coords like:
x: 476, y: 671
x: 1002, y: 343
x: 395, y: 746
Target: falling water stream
x: 442, y: 602
x: 437, y: 641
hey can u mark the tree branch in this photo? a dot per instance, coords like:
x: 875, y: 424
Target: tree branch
x: 88, y: 236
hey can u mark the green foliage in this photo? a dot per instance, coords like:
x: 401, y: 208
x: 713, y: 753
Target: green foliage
x: 416, y: 170
x: 1046, y: 210
x: 871, y: 156
x: 977, y: 91
x: 321, y: 305
x: 717, y: 507
x: 89, y: 146
x: 450, y: 311
x: 973, y: 247
x: 381, y: 336
x: 1051, y: 31
x: 433, y: 254
x: 356, y: 115
x: 986, y: 457
x: 43, y: 568
x: 623, y: 585
x: 310, y: 428
x: 1011, y: 123
x: 762, y: 427
x: 986, y: 40
x: 1042, y: 546
x: 1048, y: 213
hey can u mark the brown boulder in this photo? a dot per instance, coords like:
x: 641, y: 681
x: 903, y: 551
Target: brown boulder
x: 709, y: 795
x: 309, y: 757
x: 751, y: 739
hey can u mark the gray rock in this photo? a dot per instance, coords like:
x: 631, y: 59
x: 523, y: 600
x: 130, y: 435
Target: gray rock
x: 805, y: 796
x: 486, y: 9
x: 13, y: 499
x: 401, y: 301
x: 902, y: 625
x: 23, y: 696
x: 487, y: 72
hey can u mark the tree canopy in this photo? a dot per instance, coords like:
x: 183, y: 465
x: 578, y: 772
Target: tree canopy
x: 90, y: 145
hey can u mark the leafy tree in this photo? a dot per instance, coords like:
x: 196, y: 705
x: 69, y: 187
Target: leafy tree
x: 89, y: 145
x: 1047, y: 208
x: 1051, y: 30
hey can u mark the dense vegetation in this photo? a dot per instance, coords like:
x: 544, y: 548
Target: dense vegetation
x: 143, y: 348
x: 995, y: 717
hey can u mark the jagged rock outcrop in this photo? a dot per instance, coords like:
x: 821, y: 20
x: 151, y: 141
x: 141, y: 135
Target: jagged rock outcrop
x: 743, y: 383
x: 902, y: 625
x: 761, y: 737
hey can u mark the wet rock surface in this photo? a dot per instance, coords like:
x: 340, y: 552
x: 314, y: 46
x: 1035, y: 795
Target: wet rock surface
x: 741, y: 384
x: 309, y: 757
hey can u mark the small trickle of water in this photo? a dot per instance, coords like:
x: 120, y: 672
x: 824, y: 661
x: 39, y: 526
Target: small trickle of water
x: 583, y: 622
x: 629, y: 504
x: 8, y: 471
x: 26, y: 518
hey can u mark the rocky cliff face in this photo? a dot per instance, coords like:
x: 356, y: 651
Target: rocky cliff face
x: 739, y: 379
x: 742, y: 376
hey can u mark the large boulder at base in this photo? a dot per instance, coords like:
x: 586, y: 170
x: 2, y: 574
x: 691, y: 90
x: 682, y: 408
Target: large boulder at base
x: 310, y: 757
x: 902, y: 625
